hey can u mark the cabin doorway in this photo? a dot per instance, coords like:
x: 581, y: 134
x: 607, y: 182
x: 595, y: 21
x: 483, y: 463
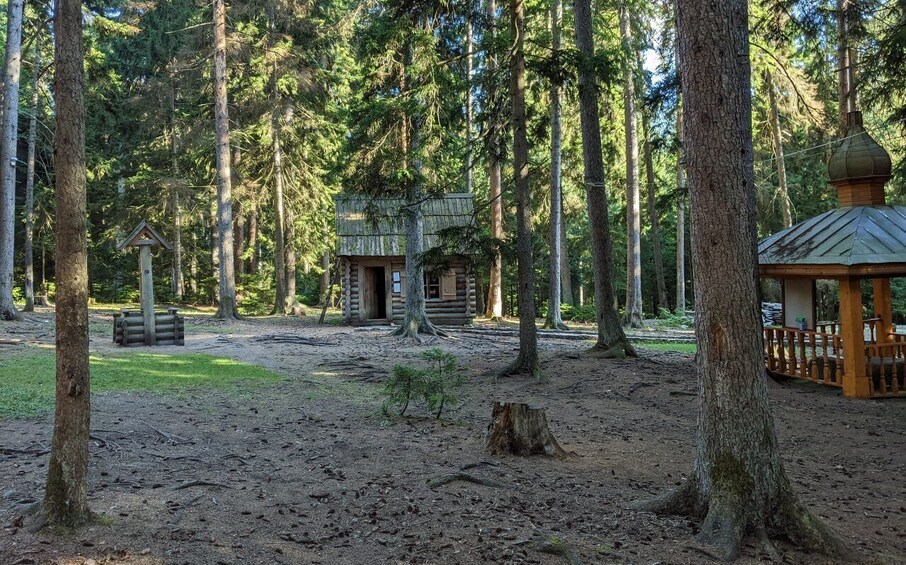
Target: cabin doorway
x: 374, y: 293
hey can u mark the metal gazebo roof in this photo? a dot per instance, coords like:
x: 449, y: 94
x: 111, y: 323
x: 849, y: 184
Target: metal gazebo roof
x: 853, y: 240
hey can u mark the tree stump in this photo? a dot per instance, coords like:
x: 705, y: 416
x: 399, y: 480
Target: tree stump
x: 519, y: 429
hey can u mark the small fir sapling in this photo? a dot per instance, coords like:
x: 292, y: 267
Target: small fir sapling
x: 436, y: 384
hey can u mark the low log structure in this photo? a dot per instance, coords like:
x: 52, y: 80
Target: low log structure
x: 129, y: 328
x: 145, y: 326
x: 520, y: 429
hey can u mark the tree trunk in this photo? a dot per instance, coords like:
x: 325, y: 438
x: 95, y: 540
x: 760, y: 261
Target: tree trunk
x: 238, y: 234
x: 680, y: 216
x: 227, y: 275
x: 777, y: 139
x: 633, y: 207
x: 178, y: 284
x: 8, y: 158
x: 566, y: 280
x: 521, y: 429
x: 554, y: 319
x: 65, y: 495
x: 651, y: 182
x: 494, y: 310
x: 325, y: 277
x: 611, y: 339
x: 415, y: 318
x: 253, y: 241
x: 527, y: 359
x: 279, y: 220
x: 847, y: 94
x: 293, y: 306
x: 469, y: 102
x: 30, y: 186
x: 738, y: 484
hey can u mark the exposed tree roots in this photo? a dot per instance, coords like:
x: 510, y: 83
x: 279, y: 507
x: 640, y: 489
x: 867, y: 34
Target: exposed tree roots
x: 726, y: 522
x: 523, y: 365
x: 619, y: 349
x: 547, y: 543
x: 557, y: 324
x: 415, y: 329
x: 462, y: 476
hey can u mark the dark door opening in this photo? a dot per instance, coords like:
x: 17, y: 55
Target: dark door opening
x: 375, y: 294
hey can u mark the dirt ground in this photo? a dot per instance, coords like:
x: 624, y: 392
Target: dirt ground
x: 308, y: 471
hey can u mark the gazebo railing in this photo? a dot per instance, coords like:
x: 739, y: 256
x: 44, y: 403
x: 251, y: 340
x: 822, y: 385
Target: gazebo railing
x: 804, y: 354
x: 886, y: 366
x: 871, y: 326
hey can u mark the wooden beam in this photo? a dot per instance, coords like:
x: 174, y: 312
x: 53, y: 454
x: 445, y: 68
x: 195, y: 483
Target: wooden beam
x: 855, y: 379
x: 883, y: 309
x: 147, y: 286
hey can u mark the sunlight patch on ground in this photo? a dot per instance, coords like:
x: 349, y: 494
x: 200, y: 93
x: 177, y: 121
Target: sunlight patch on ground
x: 27, y: 381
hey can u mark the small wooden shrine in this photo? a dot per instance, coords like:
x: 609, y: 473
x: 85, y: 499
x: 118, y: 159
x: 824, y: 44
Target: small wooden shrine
x: 371, y: 248
x: 145, y: 326
x: 863, y: 239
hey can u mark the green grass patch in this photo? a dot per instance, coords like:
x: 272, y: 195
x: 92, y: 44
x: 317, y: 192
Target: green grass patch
x: 688, y: 348
x: 27, y: 382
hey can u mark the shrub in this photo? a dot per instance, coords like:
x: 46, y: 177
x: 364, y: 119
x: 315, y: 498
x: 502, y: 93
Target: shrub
x: 436, y: 384
x: 584, y: 313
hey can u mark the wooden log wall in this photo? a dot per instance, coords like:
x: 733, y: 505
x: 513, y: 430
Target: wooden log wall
x: 129, y: 328
x: 460, y: 310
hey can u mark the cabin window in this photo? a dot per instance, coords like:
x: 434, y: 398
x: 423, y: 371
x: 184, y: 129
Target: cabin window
x: 432, y: 286
x: 397, y: 282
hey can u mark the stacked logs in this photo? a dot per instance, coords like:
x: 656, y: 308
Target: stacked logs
x: 129, y: 328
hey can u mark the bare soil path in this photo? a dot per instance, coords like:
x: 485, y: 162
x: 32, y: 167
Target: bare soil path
x: 309, y: 471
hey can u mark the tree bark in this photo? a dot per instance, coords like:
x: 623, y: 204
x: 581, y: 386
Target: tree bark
x: 651, y: 182
x: 680, y: 216
x: 566, y: 280
x: 611, y: 339
x: 178, y: 284
x: 325, y: 277
x: 633, y: 208
x: 8, y: 158
x: 253, y: 241
x: 554, y: 319
x: 469, y: 102
x: 227, y: 275
x: 415, y: 318
x: 30, y: 186
x: 777, y: 142
x: 738, y: 484
x: 847, y: 94
x: 520, y: 429
x: 65, y: 495
x: 494, y: 310
x: 527, y: 359
x: 279, y: 218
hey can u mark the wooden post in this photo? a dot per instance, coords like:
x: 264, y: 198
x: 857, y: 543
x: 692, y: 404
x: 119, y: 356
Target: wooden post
x: 883, y: 309
x: 147, y: 284
x: 855, y: 379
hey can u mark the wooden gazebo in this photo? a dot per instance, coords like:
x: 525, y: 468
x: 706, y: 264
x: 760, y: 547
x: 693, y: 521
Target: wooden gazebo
x: 862, y: 239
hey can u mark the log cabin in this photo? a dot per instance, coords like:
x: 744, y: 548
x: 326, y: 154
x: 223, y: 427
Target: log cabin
x: 371, y: 250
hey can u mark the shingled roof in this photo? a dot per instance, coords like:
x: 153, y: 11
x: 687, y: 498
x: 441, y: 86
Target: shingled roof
x: 851, y: 236
x: 357, y: 234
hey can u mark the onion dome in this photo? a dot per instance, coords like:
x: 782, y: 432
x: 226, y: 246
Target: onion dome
x: 859, y: 157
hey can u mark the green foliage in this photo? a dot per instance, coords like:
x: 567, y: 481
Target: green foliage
x: 27, y: 382
x: 584, y: 313
x: 669, y: 319
x: 437, y: 384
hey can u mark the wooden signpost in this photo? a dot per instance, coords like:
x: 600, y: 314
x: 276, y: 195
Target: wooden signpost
x: 126, y: 325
